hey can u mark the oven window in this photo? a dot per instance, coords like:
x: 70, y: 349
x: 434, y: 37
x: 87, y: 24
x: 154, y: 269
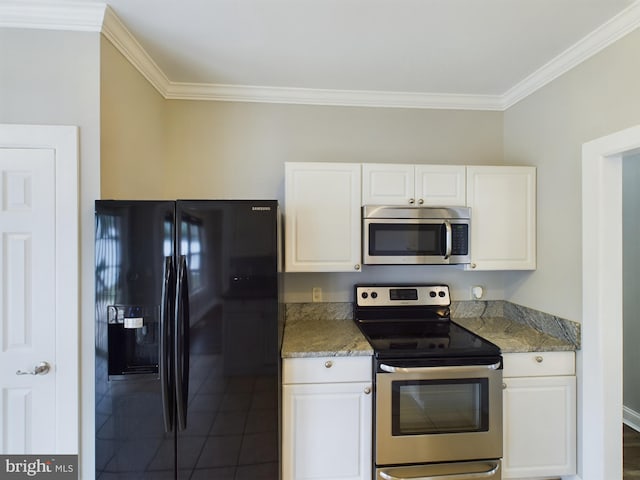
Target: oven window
x: 421, y: 407
x: 406, y: 239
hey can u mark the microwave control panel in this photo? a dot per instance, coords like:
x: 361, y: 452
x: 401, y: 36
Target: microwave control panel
x: 459, y: 239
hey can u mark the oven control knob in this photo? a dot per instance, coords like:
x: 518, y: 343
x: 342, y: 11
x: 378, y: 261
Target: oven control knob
x: 441, y: 293
x: 432, y: 294
x: 374, y: 295
x: 364, y: 295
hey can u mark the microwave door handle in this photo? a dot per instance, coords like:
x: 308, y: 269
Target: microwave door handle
x: 456, y: 476
x: 460, y: 368
x: 448, y: 236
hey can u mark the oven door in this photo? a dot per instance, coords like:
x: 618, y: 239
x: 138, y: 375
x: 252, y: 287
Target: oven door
x: 438, y: 414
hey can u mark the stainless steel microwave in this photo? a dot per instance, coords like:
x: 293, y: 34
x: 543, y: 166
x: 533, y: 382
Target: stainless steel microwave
x: 399, y: 235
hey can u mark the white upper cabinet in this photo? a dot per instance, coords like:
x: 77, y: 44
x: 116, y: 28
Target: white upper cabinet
x: 503, y: 216
x: 441, y: 184
x: 322, y: 217
x: 387, y: 184
x: 323, y: 210
x: 397, y: 184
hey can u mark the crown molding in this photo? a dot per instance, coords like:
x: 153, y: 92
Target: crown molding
x: 608, y: 33
x: 50, y: 15
x: 99, y: 17
x: 314, y: 96
x: 121, y: 38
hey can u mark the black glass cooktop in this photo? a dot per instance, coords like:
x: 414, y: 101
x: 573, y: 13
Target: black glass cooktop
x: 414, y: 321
x: 424, y: 339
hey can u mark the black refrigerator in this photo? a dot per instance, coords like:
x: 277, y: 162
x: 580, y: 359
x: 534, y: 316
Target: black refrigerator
x: 188, y: 332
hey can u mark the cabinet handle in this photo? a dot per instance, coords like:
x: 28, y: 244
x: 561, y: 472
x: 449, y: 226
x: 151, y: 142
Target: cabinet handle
x: 421, y: 201
x: 473, y: 265
x: 411, y: 201
x: 504, y: 386
x: 356, y: 266
x: 367, y: 390
x: 328, y: 364
x: 539, y: 359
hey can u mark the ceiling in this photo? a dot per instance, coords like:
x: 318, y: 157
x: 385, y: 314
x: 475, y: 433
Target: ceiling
x: 479, y: 51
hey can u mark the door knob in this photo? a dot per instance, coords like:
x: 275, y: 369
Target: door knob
x: 40, y: 369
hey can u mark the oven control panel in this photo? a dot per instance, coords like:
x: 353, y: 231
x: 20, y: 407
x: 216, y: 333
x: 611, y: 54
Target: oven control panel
x: 400, y: 295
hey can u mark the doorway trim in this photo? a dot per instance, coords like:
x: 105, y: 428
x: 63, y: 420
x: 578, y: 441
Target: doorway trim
x: 600, y: 359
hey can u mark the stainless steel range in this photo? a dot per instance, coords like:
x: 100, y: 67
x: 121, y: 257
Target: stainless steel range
x: 438, y: 402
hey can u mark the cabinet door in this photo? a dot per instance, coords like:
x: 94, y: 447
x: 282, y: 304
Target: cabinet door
x: 503, y: 217
x: 440, y: 185
x: 327, y: 431
x: 322, y: 217
x: 387, y: 184
x: 539, y: 427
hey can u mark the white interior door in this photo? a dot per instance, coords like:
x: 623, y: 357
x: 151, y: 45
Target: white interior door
x: 38, y: 290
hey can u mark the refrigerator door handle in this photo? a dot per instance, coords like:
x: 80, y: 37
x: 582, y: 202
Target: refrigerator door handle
x: 181, y: 344
x: 166, y: 359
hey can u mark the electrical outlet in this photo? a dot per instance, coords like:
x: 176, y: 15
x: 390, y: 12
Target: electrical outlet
x: 316, y: 294
x: 477, y: 292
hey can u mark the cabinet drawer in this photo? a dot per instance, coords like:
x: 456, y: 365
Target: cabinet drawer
x: 326, y: 369
x: 539, y: 364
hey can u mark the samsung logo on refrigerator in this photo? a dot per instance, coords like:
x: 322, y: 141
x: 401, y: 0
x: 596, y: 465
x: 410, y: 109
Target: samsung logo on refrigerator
x: 261, y: 209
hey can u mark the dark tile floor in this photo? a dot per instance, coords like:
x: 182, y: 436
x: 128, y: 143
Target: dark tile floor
x: 631, y: 453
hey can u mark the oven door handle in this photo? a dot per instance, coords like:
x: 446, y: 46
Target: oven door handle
x: 457, y: 368
x: 455, y: 476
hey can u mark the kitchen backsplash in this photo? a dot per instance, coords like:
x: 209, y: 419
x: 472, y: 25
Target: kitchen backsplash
x: 550, y: 324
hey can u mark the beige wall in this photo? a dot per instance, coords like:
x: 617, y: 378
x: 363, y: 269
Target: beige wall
x: 547, y: 129
x: 236, y: 150
x: 133, y: 120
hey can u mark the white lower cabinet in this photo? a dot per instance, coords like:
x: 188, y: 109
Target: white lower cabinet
x: 539, y: 403
x: 326, y: 419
